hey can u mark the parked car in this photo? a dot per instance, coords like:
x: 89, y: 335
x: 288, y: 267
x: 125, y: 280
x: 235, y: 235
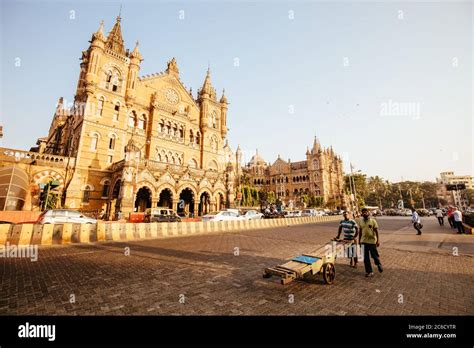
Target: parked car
x: 309, y: 212
x: 424, y: 212
x: 161, y: 215
x: 63, y: 216
x: 224, y: 215
x: 252, y: 215
x: 294, y: 213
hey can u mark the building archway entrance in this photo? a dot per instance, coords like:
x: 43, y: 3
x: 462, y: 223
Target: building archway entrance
x: 186, y: 202
x: 166, y: 198
x: 143, y: 199
x: 204, y: 203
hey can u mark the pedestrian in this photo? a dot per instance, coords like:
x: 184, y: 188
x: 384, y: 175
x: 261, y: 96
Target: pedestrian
x: 350, y: 230
x: 450, y: 217
x: 440, y: 216
x: 369, y: 239
x: 457, y: 217
x: 415, y: 218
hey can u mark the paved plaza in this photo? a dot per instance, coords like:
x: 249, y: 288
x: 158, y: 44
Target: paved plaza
x: 222, y: 274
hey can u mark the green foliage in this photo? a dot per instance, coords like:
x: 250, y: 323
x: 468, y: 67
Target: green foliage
x: 250, y: 196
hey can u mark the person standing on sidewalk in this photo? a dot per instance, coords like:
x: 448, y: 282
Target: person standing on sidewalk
x: 415, y: 218
x: 350, y: 230
x: 440, y: 216
x: 457, y: 217
x: 369, y: 239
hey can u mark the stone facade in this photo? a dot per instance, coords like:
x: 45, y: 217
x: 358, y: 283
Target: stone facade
x: 321, y: 174
x: 131, y: 142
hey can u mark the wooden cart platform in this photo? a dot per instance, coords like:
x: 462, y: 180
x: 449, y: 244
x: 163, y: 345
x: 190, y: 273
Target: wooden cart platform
x: 318, y: 261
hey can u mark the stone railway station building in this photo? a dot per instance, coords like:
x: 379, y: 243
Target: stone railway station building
x: 131, y: 142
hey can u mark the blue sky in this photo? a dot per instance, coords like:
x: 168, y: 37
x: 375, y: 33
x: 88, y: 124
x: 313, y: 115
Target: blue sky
x: 331, y: 70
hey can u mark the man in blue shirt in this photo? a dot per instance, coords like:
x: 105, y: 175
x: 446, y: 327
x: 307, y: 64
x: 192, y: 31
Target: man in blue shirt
x: 349, y: 228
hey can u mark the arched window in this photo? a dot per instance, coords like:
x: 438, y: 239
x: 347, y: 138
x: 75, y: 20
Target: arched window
x: 198, y: 138
x: 113, y: 80
x: 112, y: 140
x: 161, y: 126
x: 132, y: 118
x: 191, y: 136
x: 116, y: 111
x: 106, y: 188
x: 192, y: 163
x: 181, y: 132
x: 100, y: 106
x: 86, y: 194
x: 168, y: 128
x: 94, y: 141
x: 142, y: 122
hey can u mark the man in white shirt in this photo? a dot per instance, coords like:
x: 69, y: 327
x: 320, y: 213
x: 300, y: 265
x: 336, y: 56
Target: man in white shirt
x: 440, y: 216
x: 457, y: 215
x: 415, y: 218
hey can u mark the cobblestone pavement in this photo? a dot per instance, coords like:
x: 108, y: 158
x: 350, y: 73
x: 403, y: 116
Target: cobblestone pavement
x: 420, y: 277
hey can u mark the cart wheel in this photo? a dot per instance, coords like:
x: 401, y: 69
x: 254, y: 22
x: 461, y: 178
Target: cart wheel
x: 329, y: 273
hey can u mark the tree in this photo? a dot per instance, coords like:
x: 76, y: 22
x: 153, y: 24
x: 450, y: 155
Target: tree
x: 469, y: 194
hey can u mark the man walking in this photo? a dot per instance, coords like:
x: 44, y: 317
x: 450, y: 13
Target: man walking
x: 415, y: 218
x: 440, y: 216
x: 350, y: 230
x: 457, y: 217
x: 450, y: 217
x: 369, y: 238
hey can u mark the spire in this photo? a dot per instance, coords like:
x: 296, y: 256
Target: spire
x: 136, y: 53
x: 316, y: 144
x: 307, y: 151
x: 223, y: 98
x: 99, y: 34
x: 207, y: 81
x: 114, y: 40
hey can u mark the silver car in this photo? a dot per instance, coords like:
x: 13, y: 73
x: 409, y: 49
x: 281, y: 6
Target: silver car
x: 63, y: 216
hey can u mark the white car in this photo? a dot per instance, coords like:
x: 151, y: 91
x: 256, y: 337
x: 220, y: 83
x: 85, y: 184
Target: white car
x: 293, y: 213
x: 64, y: 216
x: 224, y: 215
x: 252, y: 215
x: 309, y: 212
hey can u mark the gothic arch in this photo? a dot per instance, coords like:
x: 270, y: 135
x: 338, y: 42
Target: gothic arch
x: 39, y: 177
x: 166, y: 186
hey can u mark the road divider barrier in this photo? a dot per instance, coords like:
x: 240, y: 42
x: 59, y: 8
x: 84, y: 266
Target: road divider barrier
x: 33, y: 234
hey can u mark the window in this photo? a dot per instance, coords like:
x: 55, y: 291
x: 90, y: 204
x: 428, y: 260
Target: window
x: 193, y: 163
x: 100, y: 106
x: 110, y: 159
x: 86, y: 194
x: 161, y: 126
x: 94, y: 142
x: 191, y: 136
x: 116, y: 111
x: 198, y: 140
x: 142, y: 122
x: 112, y: 80
x: 112, y: 142
x: 106, y: 188
x: 181, y: 132
x: 131, y: 120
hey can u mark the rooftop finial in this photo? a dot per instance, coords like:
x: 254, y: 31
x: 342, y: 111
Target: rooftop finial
x: 120, y: 12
